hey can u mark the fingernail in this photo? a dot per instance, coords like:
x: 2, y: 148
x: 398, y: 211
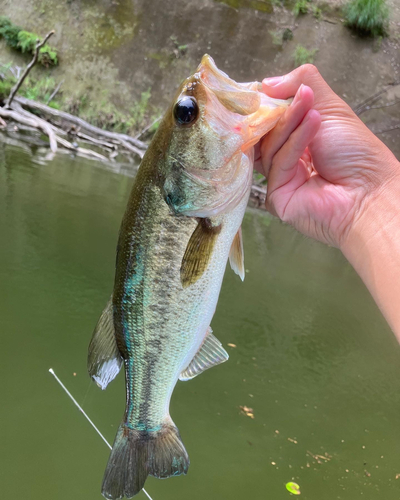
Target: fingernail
x: 298, y: 95
x: 272, y: 82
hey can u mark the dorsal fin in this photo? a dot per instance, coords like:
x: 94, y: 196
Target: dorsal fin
x: 211, y: 353
x: 104, y: 358
x: 236, y: 255
x: 198, y: 251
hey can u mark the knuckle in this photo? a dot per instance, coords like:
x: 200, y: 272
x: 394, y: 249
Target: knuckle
x: 310, y: 69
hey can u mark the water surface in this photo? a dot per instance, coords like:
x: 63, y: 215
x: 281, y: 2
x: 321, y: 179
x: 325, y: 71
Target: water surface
x: 314, y: 358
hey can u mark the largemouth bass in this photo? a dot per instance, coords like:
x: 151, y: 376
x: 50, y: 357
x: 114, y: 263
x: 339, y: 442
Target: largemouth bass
x: 181, y: 224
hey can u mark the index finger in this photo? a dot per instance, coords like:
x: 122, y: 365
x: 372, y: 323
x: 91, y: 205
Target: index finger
x: 282, y: 87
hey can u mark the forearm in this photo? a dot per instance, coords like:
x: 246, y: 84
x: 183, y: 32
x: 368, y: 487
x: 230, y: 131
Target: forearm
x: 373, y: 249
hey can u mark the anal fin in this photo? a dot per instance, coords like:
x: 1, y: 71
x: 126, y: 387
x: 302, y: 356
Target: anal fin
x: 211, y: 353
x: 104, y: 358
x: 236, y: 255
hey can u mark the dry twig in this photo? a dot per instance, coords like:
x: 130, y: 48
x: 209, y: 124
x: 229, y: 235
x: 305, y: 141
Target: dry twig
x: 14, y: 90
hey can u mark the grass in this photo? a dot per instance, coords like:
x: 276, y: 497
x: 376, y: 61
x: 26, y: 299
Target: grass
x: 36, y: 89
x: 25, y: 41
x: 104, y: 114
x: 367, y: 17
x: 302, y: 55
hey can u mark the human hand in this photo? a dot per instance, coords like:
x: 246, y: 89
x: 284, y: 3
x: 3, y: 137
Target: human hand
x: 324, y: 166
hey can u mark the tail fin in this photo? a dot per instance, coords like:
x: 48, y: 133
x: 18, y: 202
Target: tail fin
x: 138, y: 454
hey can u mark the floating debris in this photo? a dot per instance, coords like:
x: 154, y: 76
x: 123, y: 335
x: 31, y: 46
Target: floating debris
x: 293, y: 488
x: 397, y: 476
x: 292, y: 440
x: 247, y: 411
x: 318, y: 458
x: 231, y: 345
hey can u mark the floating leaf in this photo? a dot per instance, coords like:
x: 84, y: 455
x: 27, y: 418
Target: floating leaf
x: 293, y: 488
x: 247, y: 411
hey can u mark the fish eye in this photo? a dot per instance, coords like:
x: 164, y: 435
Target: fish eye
x: 186, y: 111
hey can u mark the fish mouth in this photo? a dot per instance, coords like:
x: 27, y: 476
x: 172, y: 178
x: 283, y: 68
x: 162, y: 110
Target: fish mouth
x: 240, y: 108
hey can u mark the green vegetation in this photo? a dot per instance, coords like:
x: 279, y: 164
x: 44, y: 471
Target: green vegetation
x: 303, y: 56
x: 9, y: 32
x: 102, y: 113
x: 25, y: 41
x: 316, y: 12
x: 367, y: 17
x: 36, y: 89
x: 301, y: 7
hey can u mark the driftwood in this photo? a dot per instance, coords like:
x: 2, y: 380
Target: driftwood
x: 54, y: 123
x: 82, y: 124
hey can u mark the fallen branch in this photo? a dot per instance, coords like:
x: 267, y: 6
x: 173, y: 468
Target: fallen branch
x: 42, y: 124
x: 91, y: 129
x: 52, y: 96
x: 365, y: 105
x: 16, y: 87
x: 390, y: 129
x: 14, y: 115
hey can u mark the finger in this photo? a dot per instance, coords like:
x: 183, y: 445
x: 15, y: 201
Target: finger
x: 282, y: 87
x: 285, y: 162
x: 291, y: 119
x: 277, y: 200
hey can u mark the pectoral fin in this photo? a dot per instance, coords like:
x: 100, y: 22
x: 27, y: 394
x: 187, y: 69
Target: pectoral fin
x: 211, y: 353
x: 198, y: 251
x: 104, y: 358
x: 236, y: 255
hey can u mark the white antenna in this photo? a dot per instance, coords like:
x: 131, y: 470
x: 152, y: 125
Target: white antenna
x: 87, y: 417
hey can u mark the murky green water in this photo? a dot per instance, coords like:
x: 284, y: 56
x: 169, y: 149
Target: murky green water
x: 314, y: 358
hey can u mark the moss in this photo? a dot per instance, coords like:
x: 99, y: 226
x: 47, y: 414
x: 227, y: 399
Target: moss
x: 260, y: 5
x: 9, y: 32
x: 367, y: 17
x: 25, y: 41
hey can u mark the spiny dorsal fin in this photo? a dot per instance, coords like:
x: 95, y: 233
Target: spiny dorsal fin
x: 104, y: 358
x: 198, y: 251
x: 236, y: 255
x: 211, y: 353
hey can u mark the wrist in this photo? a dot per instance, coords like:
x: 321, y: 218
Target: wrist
x: 377, y: 214
x: 372, y: 245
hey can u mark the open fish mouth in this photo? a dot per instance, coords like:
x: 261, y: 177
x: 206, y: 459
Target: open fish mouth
x: 240, y: 108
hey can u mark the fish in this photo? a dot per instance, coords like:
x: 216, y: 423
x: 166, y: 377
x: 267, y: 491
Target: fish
x: 181, y: 225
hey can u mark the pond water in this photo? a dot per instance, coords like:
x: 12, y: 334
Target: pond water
x: 314, y: 358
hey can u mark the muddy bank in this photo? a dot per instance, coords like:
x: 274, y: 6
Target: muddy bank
x: 113, y: 51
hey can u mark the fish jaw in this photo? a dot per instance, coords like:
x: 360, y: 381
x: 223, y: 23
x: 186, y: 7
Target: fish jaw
x: 241, y: 114
x: 238, y: 108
